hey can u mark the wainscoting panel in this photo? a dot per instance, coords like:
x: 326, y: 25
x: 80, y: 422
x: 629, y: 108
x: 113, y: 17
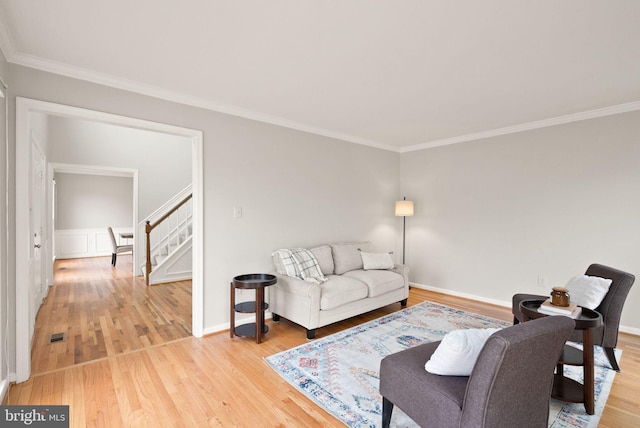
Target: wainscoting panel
x: 78, y: 243
x: 72, y: 244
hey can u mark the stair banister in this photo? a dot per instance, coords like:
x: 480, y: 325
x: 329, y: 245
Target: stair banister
x: 149, y: 227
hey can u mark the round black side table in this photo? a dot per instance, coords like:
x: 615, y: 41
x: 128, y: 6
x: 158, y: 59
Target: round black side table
x: 257, y: 282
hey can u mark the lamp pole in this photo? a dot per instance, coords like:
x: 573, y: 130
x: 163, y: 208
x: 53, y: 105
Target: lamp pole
x: 404, y: 226
x: 404, y: 223
x: 404, y: 209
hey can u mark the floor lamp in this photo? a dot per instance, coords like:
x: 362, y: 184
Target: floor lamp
x: 404, y: 209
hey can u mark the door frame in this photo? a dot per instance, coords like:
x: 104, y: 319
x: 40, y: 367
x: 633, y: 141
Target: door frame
x: 36, y: 150
x: 24, y: 108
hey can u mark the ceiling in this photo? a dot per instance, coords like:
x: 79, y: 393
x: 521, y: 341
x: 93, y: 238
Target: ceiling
x: 398, y: 75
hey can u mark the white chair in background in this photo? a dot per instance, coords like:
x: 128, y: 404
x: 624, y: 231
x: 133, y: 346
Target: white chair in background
x: 115, y: 248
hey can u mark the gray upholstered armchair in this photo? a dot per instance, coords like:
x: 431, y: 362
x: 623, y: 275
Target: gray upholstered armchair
x: 510, y: 384
x: 610, y: 308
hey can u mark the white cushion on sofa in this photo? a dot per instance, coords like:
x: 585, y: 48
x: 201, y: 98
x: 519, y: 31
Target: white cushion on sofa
x: 588, y: 291
x: 378, y: 281
x: 324, y: 257
x: 340, y: 290
x: 346, y: 256
x: 376, y: 260
x: 458, y: 351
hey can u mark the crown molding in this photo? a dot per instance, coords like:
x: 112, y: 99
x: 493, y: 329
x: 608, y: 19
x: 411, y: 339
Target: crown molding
x: 42, y: 64
x: 560, y: 120
x: 7, y: 47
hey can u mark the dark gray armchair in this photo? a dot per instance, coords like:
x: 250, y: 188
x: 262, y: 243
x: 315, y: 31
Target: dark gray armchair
x: 510, y: 384
x: 610, y: 309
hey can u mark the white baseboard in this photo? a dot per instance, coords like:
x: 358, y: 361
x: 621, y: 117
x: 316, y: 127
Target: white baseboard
x: 183, y: 276
x: 463, y: 295
x: 624, y: 329
x: 630, y: 330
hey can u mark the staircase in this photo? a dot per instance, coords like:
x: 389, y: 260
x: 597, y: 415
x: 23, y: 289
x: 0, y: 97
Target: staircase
x: 170, y: 244
x: 169, y: 241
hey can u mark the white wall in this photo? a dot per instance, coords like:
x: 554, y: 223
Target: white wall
x: 93, y: 201
x: 294, y: 189
x: 85, y: 206
x: 163, y: 161
x: 493, y: 215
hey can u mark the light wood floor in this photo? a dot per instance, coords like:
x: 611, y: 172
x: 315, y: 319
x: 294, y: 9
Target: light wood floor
x: 213, y: 381
x: 105, y: 311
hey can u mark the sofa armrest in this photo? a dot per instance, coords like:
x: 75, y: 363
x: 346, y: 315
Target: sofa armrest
x: 402, y: 270
x: 297, y: 286
x: 296, y: 300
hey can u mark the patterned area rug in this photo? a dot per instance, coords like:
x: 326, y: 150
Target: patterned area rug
x: 341, y: 372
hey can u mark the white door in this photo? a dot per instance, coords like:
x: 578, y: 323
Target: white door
x: 36, y: 211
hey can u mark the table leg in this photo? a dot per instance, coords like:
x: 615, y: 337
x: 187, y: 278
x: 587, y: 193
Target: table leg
x: 259, y: 313
x: 587, y: 356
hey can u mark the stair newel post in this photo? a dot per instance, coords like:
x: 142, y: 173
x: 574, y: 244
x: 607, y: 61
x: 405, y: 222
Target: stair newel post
x: 148, y: 228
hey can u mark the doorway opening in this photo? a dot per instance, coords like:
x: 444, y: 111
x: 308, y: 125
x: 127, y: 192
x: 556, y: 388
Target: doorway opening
x: 26, y: 110
x: 94, y: 197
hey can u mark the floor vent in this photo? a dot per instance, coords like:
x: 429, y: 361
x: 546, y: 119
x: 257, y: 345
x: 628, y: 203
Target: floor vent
x: 58, y: 337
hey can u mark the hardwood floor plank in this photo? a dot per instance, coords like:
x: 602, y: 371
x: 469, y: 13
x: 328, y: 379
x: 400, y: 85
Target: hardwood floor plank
x: 105, y: 311
x: 130, y: 360
x: 76, y: 402
x: 101, y: 405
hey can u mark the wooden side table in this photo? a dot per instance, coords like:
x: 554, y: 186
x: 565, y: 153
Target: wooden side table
x: 252, y: 281
x: 564, y: 388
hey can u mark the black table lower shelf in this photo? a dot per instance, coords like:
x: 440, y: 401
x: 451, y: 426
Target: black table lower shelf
x: 567, y: 389
x: 249, y: 330
x: 249, y: 307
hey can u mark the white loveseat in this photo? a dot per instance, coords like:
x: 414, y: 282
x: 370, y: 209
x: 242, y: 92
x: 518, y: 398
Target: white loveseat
x: 350, y: 290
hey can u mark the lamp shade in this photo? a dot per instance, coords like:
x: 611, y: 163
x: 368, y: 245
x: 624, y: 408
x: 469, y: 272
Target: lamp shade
x: 404, y: 208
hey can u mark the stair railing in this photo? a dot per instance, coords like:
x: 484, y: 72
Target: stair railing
x: 149, y: 227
